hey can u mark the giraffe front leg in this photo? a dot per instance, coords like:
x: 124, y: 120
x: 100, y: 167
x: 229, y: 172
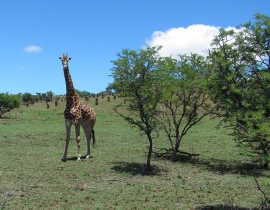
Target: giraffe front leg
x: 68, y: 126
x: 78, y: 139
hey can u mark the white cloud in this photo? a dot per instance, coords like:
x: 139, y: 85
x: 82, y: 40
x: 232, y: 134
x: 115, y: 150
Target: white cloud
x: 193, y: 39
x: 33, y: 48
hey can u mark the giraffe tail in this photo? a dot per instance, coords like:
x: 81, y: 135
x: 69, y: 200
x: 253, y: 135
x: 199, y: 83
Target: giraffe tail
x: 94, y: 139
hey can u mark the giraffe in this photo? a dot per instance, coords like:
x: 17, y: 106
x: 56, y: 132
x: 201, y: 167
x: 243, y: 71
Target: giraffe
x: 76, y: 113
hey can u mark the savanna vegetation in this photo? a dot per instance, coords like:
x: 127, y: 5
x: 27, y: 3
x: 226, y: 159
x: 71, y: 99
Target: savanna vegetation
x: 116, y: 176
x: 232, y: 82
x: 201, y: 123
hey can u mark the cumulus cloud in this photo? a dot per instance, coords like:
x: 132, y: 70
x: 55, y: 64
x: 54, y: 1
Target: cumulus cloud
x: 33, y: 48
x: 193, y: 39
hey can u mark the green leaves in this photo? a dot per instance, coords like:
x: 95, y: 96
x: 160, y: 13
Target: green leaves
x: 185, y: 100
x: 135, y: 76
x: 240, y: 82
x: 8, y: 102
x: 161, y: 92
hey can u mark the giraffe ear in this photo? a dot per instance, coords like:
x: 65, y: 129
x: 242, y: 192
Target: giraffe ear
x: 60, y: 58
x: 69, y: 58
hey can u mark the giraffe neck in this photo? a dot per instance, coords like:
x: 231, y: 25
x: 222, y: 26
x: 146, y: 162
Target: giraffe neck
x: 69, y: 84
x: 72, y: 99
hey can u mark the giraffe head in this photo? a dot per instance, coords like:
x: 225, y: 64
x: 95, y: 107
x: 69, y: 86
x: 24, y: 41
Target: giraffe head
x: 65, y: 60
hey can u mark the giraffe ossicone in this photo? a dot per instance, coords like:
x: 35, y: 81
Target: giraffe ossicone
x: 76, y: 113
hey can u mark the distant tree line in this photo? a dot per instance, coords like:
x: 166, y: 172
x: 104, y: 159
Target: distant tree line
x: 9, y: 102
x: 30, y: 98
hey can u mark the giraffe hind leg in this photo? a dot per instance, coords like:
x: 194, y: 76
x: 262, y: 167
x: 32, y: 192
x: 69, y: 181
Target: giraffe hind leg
x: 88, y: 133
x: 78, y: 139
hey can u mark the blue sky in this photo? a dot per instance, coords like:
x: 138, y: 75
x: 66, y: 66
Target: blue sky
x: 33, y: 34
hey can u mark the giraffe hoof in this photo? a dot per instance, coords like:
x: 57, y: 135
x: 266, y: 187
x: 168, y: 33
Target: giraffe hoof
x: 63, y: 159
x: 78, y: 159
x: 87, y: 156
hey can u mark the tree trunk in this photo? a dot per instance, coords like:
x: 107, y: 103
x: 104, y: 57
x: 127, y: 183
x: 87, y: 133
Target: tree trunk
x: 175, y: 149
x: 149, y: 153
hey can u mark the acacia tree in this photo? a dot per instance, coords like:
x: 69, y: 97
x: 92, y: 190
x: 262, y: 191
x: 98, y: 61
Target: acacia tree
x: 49, y: 96
x: 240, y: 83
x: 8, y: 102
x: 28, y: 97
x: 39, y: 96
x: 185, y: 101
x: 134, y: 74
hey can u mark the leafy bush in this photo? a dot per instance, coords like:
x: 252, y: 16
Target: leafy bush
x: 239, y: 83
x: 8, y: 102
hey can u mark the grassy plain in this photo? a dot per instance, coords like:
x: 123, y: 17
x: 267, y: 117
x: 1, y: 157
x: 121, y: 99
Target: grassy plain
x: 32, y: 176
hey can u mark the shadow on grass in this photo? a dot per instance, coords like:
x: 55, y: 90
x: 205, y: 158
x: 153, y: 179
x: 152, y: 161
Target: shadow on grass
x: 224, y: 207
x: 216, y: 165
x: 136, y: 169
x: 229, y: 167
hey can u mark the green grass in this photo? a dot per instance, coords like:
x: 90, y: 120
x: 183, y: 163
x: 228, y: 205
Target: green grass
x: 32, y: 141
